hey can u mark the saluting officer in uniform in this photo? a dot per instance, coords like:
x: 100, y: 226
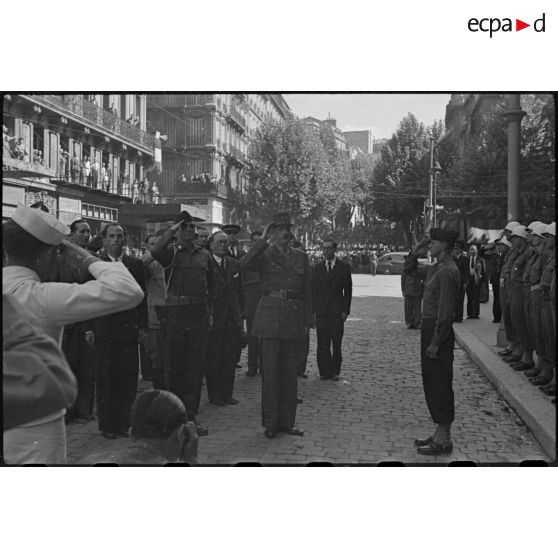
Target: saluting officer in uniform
x: 252, y: 295
x: 441, y: 295
x: 188, y: 309
x: 283, y: 318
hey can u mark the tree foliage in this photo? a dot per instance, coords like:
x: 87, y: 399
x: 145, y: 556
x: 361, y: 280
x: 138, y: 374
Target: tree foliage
x: 299, y: 171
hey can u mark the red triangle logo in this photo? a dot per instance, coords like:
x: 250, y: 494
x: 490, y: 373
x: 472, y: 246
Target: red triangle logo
x: 519, y: 25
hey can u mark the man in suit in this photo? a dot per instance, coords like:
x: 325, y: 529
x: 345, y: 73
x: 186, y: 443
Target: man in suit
x: 332, y: 290
x: 116, y: 340
x: 462, y: 263
x: 476, y: 270
x: 228, y: 313
x: 235, y: 250
x: 252, y: 295
x: 282, y: 320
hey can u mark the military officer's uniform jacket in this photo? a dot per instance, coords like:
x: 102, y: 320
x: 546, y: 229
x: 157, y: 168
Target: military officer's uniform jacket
x: 285, y: 308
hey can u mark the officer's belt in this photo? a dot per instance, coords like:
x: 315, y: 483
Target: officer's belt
x: 181, y: 300
x: 285, y: 295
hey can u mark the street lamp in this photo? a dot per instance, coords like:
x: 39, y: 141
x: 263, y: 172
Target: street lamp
x: 434, y: 174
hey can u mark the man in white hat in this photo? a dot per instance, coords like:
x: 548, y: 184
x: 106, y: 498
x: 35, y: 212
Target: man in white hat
x: 30, y: 238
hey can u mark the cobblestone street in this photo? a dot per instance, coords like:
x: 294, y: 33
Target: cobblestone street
x: 372, y: 414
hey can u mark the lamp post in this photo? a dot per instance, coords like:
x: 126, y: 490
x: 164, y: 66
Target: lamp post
x: 435, y: 169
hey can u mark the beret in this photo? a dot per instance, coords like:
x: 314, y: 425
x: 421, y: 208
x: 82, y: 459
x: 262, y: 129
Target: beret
x: 187, y: 218
x: 282, y: 219
x: 43, y: 226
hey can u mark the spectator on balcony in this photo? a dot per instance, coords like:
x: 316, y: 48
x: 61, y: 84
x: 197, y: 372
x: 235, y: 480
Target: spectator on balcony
x: 130, y: 119
x: 6, y: 143
x: 19, y: 150
x: 141, y: 192
x: 105, y: 177
x: 113, y: 109
x: 135, y: 191
x: 63, y: 162
x: 75, y: 169
x: 148, y: 192
x: 136, y: 121
x: 155, y: 190
x: 95, y: 172
x: 86, y: 171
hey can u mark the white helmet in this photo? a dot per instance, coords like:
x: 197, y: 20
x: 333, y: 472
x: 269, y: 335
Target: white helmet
x: 551, y: 229
x: 520, y: 230
x: 511, y: 225
x: 532, y: 225
x: 539, y: 229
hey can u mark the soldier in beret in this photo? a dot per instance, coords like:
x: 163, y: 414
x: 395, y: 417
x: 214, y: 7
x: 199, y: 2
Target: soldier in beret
x: 441, y: 295
x: 188, y: 311
x: 283, y: 318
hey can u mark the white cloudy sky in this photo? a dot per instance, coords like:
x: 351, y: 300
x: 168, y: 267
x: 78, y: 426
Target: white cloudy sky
x: 380, y: 113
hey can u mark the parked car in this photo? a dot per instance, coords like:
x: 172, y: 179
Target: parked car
x: 392, y: 263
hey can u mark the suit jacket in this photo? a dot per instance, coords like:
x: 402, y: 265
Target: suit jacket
x: 462, y: 263
x: 124, y: 325
x: 332, y: 292
x: 480, y: 270
x: 279, y: 318
x: 229, y: 299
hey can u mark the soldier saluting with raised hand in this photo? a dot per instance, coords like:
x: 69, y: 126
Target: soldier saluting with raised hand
x: 441, y: 295
x: 283, y: 318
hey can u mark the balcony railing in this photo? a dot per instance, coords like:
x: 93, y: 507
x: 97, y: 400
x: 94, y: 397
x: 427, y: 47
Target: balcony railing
x: 181, y: 101
x: 233, y: 114
x: 96, y: 115
x: 34, y: 169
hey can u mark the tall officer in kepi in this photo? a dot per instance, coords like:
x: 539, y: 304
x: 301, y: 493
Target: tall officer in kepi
x: 188, y: 311
x: 283, y: 318
x: 441, y: 295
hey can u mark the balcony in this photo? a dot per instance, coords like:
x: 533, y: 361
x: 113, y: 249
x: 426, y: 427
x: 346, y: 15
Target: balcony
x: 234, y: 116
x: 76, y: 105
x: 22, y: 168
x: 236, y: 154
x: 180, y: 101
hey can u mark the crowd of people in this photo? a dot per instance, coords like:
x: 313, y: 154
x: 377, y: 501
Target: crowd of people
x: 193, y: 301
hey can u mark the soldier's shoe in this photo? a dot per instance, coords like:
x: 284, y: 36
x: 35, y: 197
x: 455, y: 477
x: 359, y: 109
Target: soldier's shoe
x: 270, y: 433
x: 520, y: 366
x: 292, y: 431
x: 550, y: 389
x: 423, y: 441
x: 252, y: 372
x: 232, y: 401
x: 541, y: 381
x: 217, y: 401
x: 532, y: 372
x: 505, y: 352
x: 201, y: 430
x: 511, y: 358
x: 434, y: 448
x: 302, y: 375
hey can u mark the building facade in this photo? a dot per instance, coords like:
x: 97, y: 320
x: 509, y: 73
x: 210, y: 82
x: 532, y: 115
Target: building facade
x: 206, y: 150
x: 81, y: 155
x: 314, y: 124
x: 361, y: 140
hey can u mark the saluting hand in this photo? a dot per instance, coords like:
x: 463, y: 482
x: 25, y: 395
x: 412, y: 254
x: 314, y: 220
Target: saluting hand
x: 268, y: 231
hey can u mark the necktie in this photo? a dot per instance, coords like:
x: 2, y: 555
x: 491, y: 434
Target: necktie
x: 329, y: 267
x: 222, y: 264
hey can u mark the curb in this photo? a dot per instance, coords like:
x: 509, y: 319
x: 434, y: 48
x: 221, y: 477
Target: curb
x: 538, y: 413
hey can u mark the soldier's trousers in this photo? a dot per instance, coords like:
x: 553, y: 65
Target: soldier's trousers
x: 518, y: 318
x: 303, y: 356
x: 529, y: 331
x: 82, y: 358
x: 251, y: 299
x: 437, y: 374
x: 496, y: 307
x: 154, y: 368
x: 280, y: 358
x: 413, y: 308
x: 117, y: 383
x: 220, y: 361
x: 184, y: 359
x: 506, y: 312
x: 549, y: 329
x: 536, y: 323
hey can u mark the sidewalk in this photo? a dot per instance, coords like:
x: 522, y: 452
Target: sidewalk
x: 478, y: 338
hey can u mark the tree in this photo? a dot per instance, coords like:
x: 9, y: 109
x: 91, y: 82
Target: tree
x: 401, y: 177
x: 299, y: 171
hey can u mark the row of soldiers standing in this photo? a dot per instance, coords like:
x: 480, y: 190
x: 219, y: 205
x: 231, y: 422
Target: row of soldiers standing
x: 528, y: 300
